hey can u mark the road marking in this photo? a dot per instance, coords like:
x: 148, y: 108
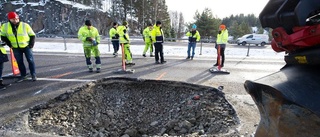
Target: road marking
x: 68, y: 80
x: 164, y: 73
x: 61, y: 75
x: 38, y: 92
x: 55, y: 69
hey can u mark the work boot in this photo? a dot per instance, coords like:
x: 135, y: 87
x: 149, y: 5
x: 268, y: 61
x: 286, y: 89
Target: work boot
x: 3, y: 86
x: 188, y: 58
x: 191, y: 58
x: 157, y: 62
x: 130, y: 64
x: 162, y: 62
x: 22, y: 78
x: 144, y: 55
x: 98, y: 70
x: 90, y: 69
x: 34, y: 78
x: 215, y: 64
x: 151, y: 55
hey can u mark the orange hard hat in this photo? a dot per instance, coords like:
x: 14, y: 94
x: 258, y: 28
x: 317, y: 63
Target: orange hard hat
x: 222, y: 26
x: 13, y: 15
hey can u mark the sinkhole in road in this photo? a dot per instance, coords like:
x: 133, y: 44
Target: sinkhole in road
x: 136, y: 107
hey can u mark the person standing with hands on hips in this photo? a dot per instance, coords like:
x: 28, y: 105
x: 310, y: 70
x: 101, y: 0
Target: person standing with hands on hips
x: 194, y: 37
x: 222, y: 39
x: 157, y: 39
x: 90, y: 38
x: 20, y: 37
x: 114, y: 36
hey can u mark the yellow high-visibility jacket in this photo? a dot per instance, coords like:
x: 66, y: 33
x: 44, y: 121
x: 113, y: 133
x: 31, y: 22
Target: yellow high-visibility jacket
x: 222, y: 38
x: 84, y: 32
x: 24, y: 31
x: 157, y: 35
x: 114, y: 36
x: 123, y: 34
x: 147, y: 35
x: 193, y: 38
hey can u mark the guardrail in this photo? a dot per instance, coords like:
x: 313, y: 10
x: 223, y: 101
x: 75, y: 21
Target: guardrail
x: 106, y: 39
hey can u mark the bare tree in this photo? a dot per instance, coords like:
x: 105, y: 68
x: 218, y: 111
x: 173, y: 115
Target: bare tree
x: 174, y: 22
x: 181, y: 26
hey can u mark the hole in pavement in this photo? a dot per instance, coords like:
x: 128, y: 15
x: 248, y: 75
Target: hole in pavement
x: 133, y: 108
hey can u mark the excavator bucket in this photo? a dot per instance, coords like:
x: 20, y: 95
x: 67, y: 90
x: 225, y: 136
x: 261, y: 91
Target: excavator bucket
x: 289, y: 100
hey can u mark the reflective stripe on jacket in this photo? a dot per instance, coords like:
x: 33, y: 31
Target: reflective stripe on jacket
x: 23, y: 32
x: 157, y: 34
x: 222, y: 38
x: 84, y: 32
x: 3, y: 50
x: 193, y: 38
x: 123, y: 34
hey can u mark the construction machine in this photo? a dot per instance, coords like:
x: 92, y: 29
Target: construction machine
x: 289, y: 100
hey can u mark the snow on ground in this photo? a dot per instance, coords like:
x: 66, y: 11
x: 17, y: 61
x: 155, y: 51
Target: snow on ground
x: 180, y: 51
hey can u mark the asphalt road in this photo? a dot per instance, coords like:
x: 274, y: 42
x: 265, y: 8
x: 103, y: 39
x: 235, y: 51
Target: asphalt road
x: 59, y: 72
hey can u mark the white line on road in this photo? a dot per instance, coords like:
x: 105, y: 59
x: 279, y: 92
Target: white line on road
x: 69, y: 80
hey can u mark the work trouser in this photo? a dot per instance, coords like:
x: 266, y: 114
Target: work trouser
x: 88, y: 50
x: 127, y: 52
x: 191, y: 45
x: 222, y: 49
x: 1, y: 69
x: 18, y: 54
x: 115, y: 44
x: 158, y: 51
x: 147, y: 46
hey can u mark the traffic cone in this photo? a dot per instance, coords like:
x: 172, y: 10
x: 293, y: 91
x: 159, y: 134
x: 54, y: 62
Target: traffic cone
x: 14, y: 64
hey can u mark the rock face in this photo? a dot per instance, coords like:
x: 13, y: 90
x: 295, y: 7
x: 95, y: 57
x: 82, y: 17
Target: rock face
x: 132, y: 107
x: 54, y: 17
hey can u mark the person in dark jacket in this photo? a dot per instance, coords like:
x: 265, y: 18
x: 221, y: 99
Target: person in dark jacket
x: 194, y: 37
x: 3, y: 59
x: 114, y: 37
x: 157, y: 39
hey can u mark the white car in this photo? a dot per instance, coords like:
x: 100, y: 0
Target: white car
x: 256, y: 39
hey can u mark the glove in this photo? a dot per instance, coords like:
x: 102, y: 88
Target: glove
x: 30, y: 46
x: 94, y: 43
x: 117, y: 36
x: 125, y: 31
x: 89, y: 39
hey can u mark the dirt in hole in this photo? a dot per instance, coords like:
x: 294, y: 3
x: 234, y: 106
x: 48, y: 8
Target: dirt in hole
x: 131, y: 107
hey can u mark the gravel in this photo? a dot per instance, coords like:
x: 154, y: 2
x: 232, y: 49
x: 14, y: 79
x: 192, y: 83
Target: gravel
x: 129, y: 107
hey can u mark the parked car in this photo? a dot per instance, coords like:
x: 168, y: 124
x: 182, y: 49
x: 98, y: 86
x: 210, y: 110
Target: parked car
x: 256, y: 39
